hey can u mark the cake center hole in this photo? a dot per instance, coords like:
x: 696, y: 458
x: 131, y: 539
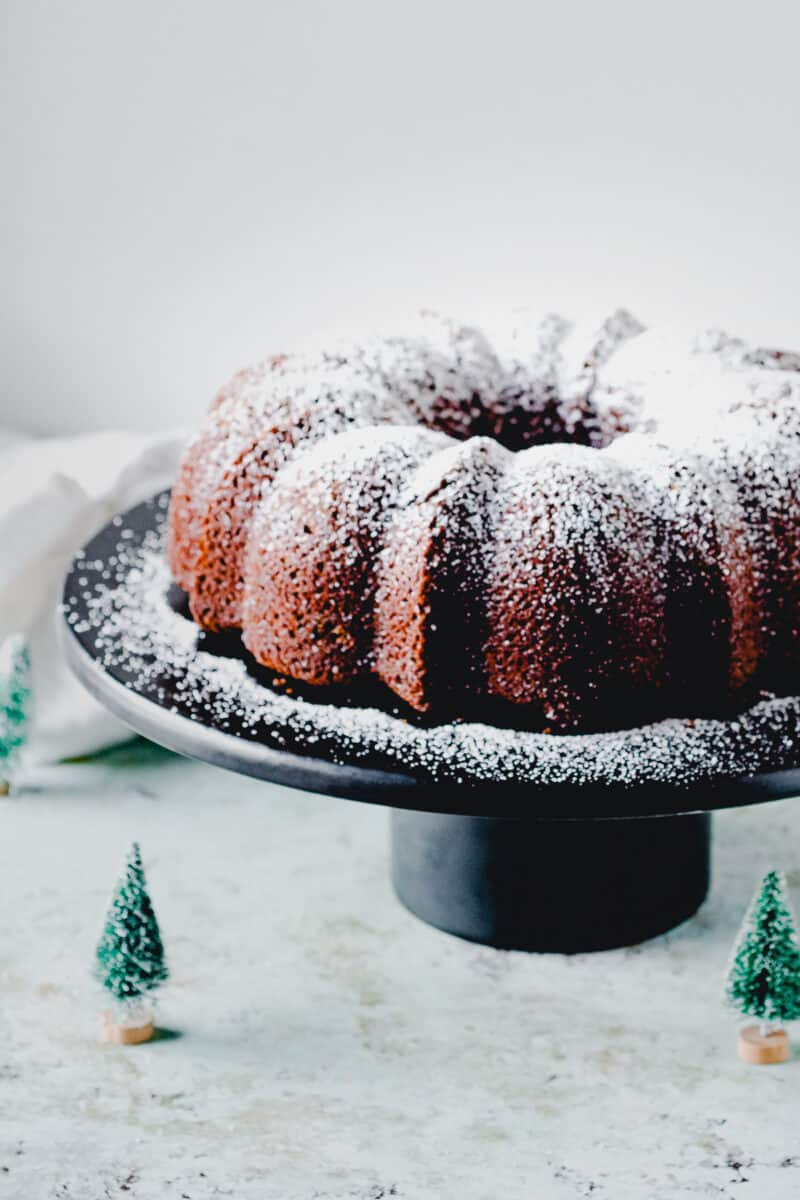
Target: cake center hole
x: 516, y: 423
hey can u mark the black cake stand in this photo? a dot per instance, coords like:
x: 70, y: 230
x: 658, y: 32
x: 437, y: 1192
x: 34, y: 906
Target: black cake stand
x: 545, y: 868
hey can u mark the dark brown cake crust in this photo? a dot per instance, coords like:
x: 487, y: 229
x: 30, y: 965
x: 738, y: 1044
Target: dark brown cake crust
x: 480, y: 528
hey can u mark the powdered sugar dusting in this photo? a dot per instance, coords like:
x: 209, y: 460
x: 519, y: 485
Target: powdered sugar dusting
x: 120, y: 612
x: 593, y: 524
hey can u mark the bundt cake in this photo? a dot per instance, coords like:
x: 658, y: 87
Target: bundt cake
x: 599, y: 534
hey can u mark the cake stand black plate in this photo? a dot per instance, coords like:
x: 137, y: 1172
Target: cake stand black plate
x: 553, y: 867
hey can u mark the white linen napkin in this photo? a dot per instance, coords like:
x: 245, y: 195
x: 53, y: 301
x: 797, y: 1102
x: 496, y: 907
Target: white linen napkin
x: 54, y: 494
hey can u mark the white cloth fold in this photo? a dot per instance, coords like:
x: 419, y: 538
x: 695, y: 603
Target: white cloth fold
x: 54, y: 494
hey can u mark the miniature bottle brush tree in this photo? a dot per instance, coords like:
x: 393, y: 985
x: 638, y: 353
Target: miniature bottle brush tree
x: 15, y: 704
x: 130, y: 957
x: 764, y: 975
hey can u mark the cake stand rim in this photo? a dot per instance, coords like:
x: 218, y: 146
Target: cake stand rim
x: 513, y: 801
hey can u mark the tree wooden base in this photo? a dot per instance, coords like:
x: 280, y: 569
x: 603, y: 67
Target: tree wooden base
x: 5, y: 787
x: 125, y: 1035
x: 758, y: 1048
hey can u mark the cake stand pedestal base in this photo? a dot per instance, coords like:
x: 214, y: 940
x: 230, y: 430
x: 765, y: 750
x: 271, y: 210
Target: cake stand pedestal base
x: 564, y: 886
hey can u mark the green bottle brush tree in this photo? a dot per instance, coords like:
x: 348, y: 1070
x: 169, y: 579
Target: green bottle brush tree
x: 764, y: 975
x: 15, y: 704
x: 130, y: 960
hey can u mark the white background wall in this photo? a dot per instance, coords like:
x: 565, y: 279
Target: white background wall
x: 189, y: 185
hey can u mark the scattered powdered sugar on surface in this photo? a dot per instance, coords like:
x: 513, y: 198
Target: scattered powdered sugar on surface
x: 118, y: 607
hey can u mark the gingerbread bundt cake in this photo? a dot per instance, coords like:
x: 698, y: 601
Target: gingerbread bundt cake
x: 598, y: 538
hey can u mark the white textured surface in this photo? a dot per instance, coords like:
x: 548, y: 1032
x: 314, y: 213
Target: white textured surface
x: 333, y: 1046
